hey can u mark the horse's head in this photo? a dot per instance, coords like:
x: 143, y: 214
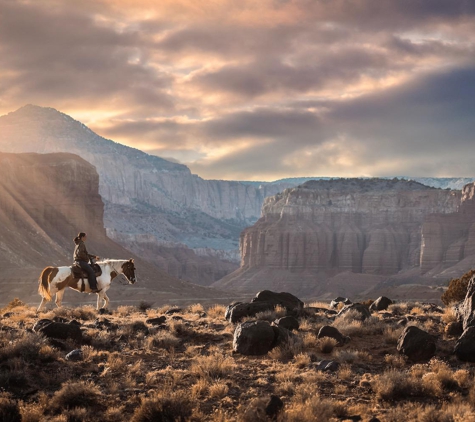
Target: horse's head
x: 128, y: 269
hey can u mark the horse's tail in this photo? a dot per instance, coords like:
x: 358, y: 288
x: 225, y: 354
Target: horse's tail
x: 43, y: 283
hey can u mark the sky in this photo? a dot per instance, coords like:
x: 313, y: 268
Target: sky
x: 256, y: 90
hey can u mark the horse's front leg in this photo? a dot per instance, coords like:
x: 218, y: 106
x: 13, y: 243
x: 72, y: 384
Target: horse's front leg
x: 59, y: 297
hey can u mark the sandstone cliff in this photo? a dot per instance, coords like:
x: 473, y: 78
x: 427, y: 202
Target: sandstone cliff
x: 448, y: 240
x: 322, y: 228
x: 45, y: 200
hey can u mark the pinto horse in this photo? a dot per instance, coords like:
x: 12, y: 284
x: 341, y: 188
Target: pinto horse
x: 54, y: 280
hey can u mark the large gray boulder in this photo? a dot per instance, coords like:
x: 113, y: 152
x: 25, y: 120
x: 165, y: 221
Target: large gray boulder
x: 284, y: 299
x: 332, y: 332
x: 416, y: 344
x: 237, y: 311
x: 381, y: 304
x: 253, y: 338
x: 466, y: 310
x: 465, y: 346
x: 288, y: 322
x: 362, y: 310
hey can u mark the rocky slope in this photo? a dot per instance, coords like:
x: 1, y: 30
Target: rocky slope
x: 309, y: 234
x: 45, y: 200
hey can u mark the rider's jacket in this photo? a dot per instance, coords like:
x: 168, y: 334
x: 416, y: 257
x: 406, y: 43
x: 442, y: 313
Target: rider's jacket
x: 80, y: 252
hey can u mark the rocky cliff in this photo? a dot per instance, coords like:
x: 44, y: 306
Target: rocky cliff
x: 45, y: 200
x: 369, y: 226
x: 449, y: 239
x: 143, y: 194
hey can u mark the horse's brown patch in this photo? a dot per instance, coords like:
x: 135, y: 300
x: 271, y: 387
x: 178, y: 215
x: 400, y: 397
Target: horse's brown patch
x: 65, y: 283
x: 114, y: 274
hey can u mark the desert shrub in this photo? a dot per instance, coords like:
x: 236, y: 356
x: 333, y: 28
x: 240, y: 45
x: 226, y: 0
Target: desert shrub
x: 302, y: 360
x: 457, y: 288
x: 162, y: 340
x: 218, y: 390
x: 15, y: 303
x: 27, y: 347
x: 143, y: 306
x: 287, y: 350
x: 196, y: 308
x: 75, y: 394
x: 167, y: 407
x: 396, y: 361
x: 307, y: 406
x: 216, y: 311
x: 179, y: 328
x: 396, y: 385
x: 213, y: 366
x: 449, y: 315
x: 392, y: 334
x: 326, y: 344
x: 9, y: 410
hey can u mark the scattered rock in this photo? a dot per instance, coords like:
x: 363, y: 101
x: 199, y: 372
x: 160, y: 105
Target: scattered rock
x: 139, y: 326
x: 273, y: 407
x: 416, y: 344
x: 284, y: 299
x: 288, y: 322
x: 381, y: 304
x: 403, y: 322
x: 465, y: 346
x: 234, y: 313
x: 332, y: 332
x: 105, y: 324
x: 58, y: 330
x: 157, y: 321
x: 104, y: 311
x: 75, y: 355
x: 328, y: 366
x: 454, y: 329
x: 282, y: 335
x: 335, y: 302
x: 359, y: 307
x: 173, y: 311
x: 253, y: 338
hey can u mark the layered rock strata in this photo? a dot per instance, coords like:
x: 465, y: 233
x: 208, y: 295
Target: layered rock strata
x: 447, y: 239
x: 363, y: 226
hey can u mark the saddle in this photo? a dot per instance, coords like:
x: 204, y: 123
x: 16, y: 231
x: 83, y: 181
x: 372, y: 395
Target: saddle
x: 77, y: 271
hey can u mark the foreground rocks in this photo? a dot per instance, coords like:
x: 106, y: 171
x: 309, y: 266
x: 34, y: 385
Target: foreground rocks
x: 58, y: 330
x: 416, y: 344
x: 253, y: 338
x: 465, y: 346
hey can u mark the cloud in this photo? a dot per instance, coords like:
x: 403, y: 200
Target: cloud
x: 255, y: 89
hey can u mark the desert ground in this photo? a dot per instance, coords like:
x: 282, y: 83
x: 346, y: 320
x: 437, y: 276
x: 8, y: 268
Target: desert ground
x: 138, y: 363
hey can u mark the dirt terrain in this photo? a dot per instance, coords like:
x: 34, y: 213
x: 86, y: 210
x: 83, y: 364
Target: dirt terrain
x: 184, y: 368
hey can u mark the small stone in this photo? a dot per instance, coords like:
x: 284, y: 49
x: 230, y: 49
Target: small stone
x: 328, y: 366
x: 274, y: 406
x: 75, y: 356
x: 157, y: 321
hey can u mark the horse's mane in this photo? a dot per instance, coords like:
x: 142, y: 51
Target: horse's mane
x: 110, y: 261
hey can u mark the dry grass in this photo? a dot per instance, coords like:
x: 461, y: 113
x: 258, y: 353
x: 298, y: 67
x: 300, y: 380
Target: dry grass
x: 186, y: 370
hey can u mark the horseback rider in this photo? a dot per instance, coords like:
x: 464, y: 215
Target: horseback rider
x: 82, y: 257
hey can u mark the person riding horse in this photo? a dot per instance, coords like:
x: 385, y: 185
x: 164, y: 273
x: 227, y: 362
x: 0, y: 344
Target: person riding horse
x: 81, y: 257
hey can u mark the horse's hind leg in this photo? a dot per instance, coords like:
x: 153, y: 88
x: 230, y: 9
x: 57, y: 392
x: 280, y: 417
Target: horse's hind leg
x: 59, y: 297
x: 42, y: 304
x: 102, y: 295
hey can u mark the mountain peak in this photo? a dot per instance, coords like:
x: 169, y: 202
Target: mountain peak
x: 32, y: 111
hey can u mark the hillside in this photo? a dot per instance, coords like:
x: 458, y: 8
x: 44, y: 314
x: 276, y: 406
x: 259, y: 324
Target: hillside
x: 45, y: 200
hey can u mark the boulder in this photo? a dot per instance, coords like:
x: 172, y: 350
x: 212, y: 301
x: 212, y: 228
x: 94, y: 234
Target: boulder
x: 234, y: 313
x: 282, y: 335
x: 381, y: 304
x: 465, y: 346
x: 332, y: 332
x: 253, y: 338
x: 453, y: 329
x: 273, y: 407
x: 466, y: 310
x: 328, y: 366
x: 288, y: 322
x: 359, y: 307
x: 58, y: 330
x: 157, y: 321
x: 416, y: 344
x: 284, y: 299
x: 335, y: 302
x: 75, y: 355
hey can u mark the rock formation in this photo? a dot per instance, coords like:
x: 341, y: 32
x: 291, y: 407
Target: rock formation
x: 448, y: 239
x: 347, y: 225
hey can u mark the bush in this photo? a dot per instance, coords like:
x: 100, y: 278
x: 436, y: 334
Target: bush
x: 143, y: 306
x: 457, y: 288
x: 174, y: 407
x: 9, y: 411
x: 75, y: 394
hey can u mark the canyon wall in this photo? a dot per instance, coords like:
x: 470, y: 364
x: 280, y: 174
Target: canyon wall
x: 448, y: 239
x: 338, y: 236
x: 45, y: 200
